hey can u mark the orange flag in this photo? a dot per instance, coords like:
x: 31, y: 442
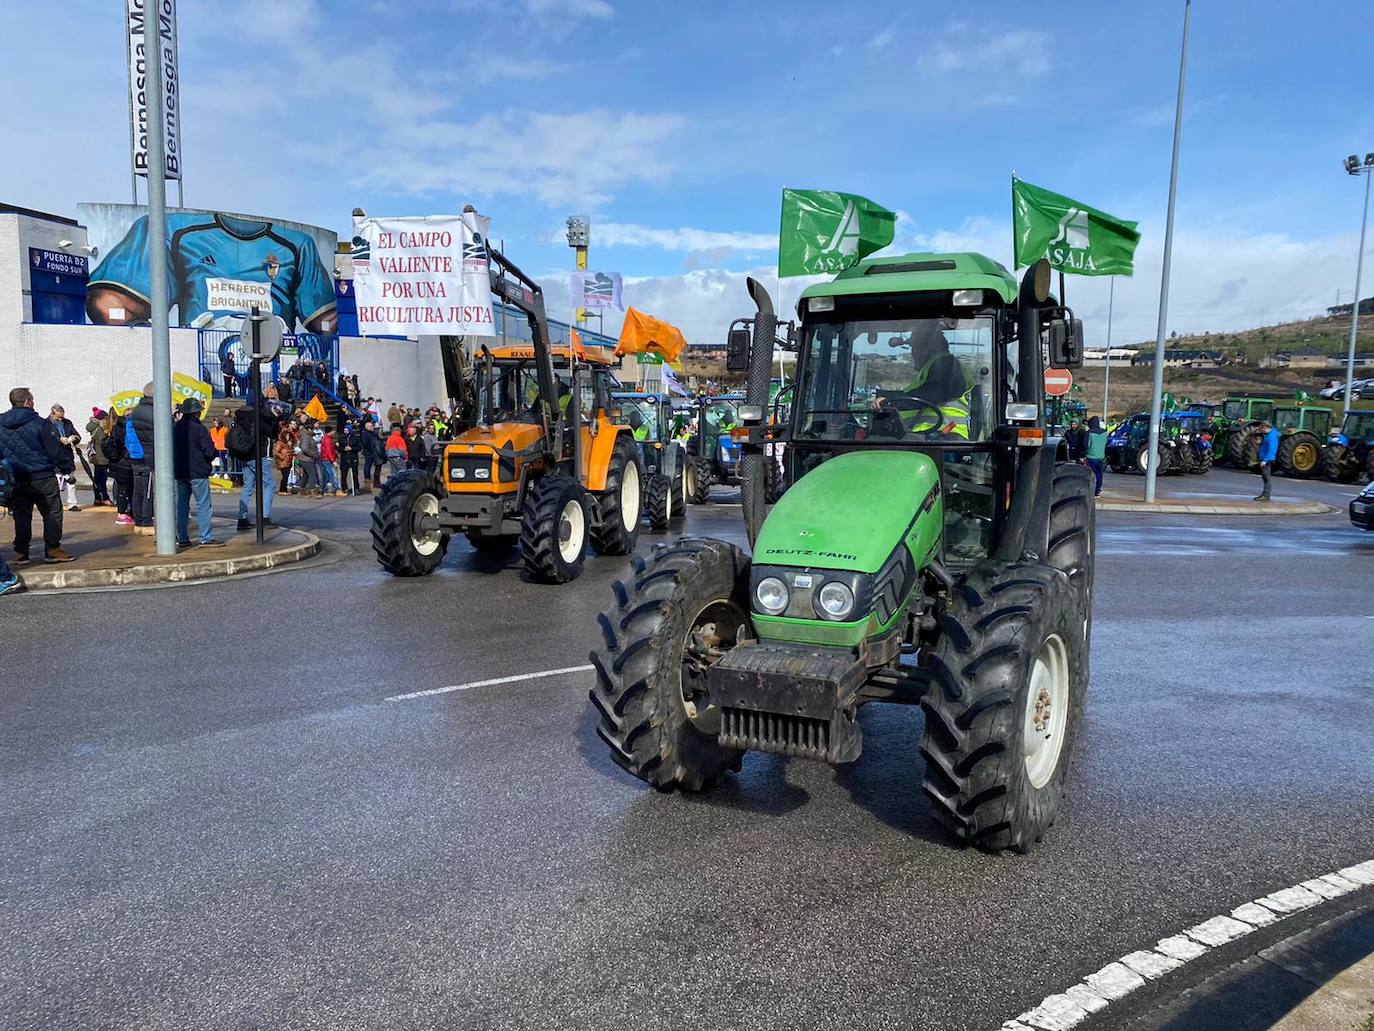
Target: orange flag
x: 316, y: 410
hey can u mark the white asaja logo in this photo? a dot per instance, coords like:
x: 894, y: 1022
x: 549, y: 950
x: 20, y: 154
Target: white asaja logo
x: 1073, y: 230
x: 845, y: 242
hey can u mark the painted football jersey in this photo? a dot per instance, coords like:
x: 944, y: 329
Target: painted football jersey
x: 220, y: 266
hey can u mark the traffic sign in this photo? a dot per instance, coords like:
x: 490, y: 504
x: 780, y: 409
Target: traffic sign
x: 1058, y: 382
x: 263, y: 333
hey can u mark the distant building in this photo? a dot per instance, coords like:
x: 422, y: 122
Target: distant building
x: 1179, y: 357
x: 1307, y: 358
x: 1119, y: 356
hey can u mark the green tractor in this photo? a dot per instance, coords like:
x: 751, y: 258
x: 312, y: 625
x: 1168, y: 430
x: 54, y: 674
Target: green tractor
x: 1235, y: 437
x: 650, y: 418
x: 1303, y: 428
x: 934, y: 548
x: 1061, y: 414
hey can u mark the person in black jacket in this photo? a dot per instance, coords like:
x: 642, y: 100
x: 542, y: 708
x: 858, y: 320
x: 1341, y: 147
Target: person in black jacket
x: 192, y: 453
x: 269, y: 423
x: 349, y: 445
x: 71, y: 440
x: 142, y: 420
x: 31, y: 444
x: 374, y: 457
x: 121, y: 469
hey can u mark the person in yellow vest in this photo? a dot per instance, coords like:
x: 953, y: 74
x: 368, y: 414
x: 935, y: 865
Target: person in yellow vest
x: 638, y: 426
x: 939, y: 380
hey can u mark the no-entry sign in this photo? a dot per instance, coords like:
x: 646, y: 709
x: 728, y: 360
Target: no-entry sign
x: 1058, y: 382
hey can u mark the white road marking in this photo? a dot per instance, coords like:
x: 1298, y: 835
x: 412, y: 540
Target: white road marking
x: 1066, y: 1009
x: 491, y: 683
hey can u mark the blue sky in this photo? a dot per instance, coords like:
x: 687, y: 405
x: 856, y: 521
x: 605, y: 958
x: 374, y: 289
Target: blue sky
x: 676, y: 126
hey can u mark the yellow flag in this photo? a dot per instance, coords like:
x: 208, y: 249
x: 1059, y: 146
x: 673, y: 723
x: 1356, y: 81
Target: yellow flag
x: 316, y: 410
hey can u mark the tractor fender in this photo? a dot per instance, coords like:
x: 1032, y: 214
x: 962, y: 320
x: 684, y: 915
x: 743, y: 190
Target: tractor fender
x: 1026, y: 535
x: 596, y: 451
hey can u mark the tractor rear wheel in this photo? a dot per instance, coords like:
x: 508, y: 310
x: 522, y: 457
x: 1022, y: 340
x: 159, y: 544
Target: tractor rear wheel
x: 1009, y: 674
x: 1299, y: 455
x: 621, y: 501
x: 553, y: 533
x: 405, y: 524
x: 1235, y: 446
x: 679, y: 490
x: 699, y: 476
x: 1250, y: 459
x: 658, y: 502
x: 1204, y: 460
x: 683, y: 608
x: 1336, y: 465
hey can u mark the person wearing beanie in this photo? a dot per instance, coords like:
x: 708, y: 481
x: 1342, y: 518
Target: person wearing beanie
x: 192, y: 453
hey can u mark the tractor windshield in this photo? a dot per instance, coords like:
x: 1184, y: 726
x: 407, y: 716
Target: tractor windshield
x: 1288, y: 418
x: 641, y: 415
x: 926, y: 379
x: 512, y: 392
x: 1359, y: 426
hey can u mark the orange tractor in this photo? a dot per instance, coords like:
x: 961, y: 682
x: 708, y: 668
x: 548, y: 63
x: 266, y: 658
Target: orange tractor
x: 535, y: 460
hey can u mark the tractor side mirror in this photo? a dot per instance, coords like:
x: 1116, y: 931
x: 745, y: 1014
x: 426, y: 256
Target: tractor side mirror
x: 1066, y: 343
x: 737, y: 351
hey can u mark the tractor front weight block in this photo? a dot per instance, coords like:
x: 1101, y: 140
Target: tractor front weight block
x: 789, y: 699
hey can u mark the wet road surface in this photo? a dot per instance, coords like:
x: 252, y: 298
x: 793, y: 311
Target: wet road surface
x: 211, y: 816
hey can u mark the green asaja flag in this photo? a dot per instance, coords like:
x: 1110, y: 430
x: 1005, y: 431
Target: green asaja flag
x: 1075, y: 237
x: 824, y: 231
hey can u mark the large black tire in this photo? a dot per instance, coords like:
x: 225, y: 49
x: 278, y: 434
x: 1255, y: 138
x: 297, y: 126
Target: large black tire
x: 1166, y: 460
x: 1204, y: 460
x: 990, y: 784
x: 1300, y: 455
x: 699, y: 476
x: 621, y: 501
x: 553, y: 531
x: 401, y: 546
x: 1235, y: 446
x: 679, y: 490
x: 1250, y: 453
x: 682, y: 607
x: 774, y: 479
x: 659, y: 502
x: 1336, y: 464
x: 1073, y: 528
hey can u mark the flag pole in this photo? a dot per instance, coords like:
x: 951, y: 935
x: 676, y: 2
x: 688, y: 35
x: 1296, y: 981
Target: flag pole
x: 1156, y: 398
x: 1107, y: 375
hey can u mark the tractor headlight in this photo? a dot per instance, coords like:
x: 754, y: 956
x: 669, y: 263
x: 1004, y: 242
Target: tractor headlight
x: 834, y: 601
x: 771, y: 595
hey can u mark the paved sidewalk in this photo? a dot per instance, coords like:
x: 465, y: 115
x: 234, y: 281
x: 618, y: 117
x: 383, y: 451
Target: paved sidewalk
x: 1131, y: 499
x: 107, y: 555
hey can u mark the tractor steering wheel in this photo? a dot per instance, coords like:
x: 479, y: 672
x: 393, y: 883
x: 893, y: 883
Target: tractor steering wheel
x: 887, y: 421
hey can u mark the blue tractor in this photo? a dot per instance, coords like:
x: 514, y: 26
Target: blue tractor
x: 1349, y: 451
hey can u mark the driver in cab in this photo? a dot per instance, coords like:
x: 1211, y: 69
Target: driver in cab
x: 939, y: 385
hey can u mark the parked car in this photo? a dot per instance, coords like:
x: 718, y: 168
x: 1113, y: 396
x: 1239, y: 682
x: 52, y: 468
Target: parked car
x: 1362, y: 508
x: 1360, y: 388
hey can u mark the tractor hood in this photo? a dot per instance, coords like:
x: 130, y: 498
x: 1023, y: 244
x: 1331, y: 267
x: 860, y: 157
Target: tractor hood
x: 851, y: 512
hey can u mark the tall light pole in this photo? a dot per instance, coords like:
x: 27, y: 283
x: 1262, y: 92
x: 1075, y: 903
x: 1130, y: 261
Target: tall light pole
x: 1353, y: 166
x: 579, y: 239
x: 1157, y: 398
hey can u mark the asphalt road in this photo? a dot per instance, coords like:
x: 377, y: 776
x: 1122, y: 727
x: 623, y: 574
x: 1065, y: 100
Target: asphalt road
x: 211, y: 816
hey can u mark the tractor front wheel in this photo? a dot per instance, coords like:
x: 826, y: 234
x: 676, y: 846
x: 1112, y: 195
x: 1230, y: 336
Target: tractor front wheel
x: 658, y: 502
x: 1008, y: 677
x: 553, y: 532
x: 1204, y: 461
x: 684, y: 607
x: 405, y: 525
x: 621, y: 500
x: 699, y: 476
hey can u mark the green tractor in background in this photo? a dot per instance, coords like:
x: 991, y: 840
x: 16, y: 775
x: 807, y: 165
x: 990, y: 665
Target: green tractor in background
x: 1060, y: 414
x: 1235, y: 429
x: 934, y: 547
x: 650, y: 418
x: 1303, y: 429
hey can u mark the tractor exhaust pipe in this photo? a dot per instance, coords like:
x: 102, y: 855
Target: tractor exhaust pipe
x: 1030, y: 375
x: 752, y: 486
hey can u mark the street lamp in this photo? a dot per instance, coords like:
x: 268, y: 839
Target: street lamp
x: 579, y: 239
x: 1353, y: 166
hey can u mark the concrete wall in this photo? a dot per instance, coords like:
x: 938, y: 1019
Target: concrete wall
x: 408, y: 371
x: 17, y: 234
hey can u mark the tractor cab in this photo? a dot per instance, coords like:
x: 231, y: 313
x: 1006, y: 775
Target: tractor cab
x: 714, y: 452
x: 1358, y: 428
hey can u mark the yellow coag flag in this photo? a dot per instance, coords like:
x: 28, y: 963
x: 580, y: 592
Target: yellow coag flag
x: 316, y: 410
x: 644, y: 334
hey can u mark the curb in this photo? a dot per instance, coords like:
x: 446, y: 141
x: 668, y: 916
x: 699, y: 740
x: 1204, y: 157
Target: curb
x: 1253, y: 508
x: 1099, y: 991
x: 39, y: 581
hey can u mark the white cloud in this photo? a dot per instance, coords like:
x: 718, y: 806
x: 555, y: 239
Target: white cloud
x: 626, y: 234
x: 570, y: 8
x: 558, y: 159
x: 884, y: 38
x: 1024, y: 51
